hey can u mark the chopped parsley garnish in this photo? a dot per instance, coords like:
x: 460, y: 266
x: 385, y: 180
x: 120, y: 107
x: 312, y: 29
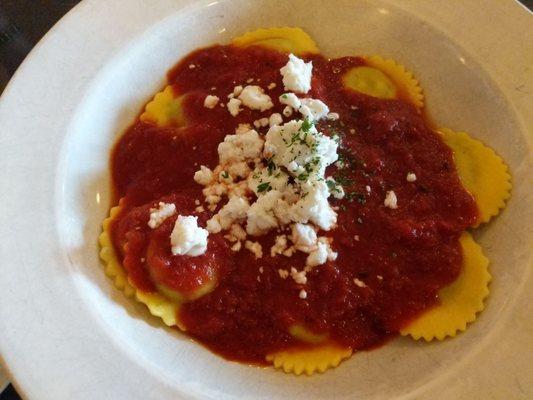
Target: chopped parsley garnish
x: 306, y: 126
x: 332, y: 186
x: 284, y: 96
x: 225, y: 174
x: 271, y: 166
x: 351, y: 196
x: 264, y: 187
x: 303, y: 176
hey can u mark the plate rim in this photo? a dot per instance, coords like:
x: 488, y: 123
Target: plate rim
x: 68, y: 23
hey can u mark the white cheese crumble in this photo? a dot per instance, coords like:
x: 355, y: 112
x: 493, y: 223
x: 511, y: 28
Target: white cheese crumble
x: 298, y: 276
x: 297, y: 74
x: 204, y: 176
x: 390, y: 200
x: 235, y: 210
x: 211, y: 101
x: 234, y: 107
x: 303, y: 294
x: 275, y: 119
x: 411, y: 177
x: 236, y: 148
x: 313, y: 109
x: 280, y: 245
x: 187, y: 238
x: 283, y: 273
x: 255, y: 248
x: 160, y: 214
x: 262, y: 122
x: 359, y: 283
x: 254, y: 97
x: 333, y: 116
x: 318, y: 256
x: 303, y: 236
x: 237, y: 90
x: 291, y: 100
x: 261, y: 214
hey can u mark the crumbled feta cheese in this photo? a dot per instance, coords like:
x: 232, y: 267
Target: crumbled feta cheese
x: 236, y: 247
x: 204, y: 176
x: 258, y: 123
x: 237, y: 90
x: 213, y: 225
x: 261, y: 217
x: 187, y: 238
x: 368, y: 189
x: 314, y: 207
x: 303, y: 236
x: 411, y: 177
x: 233, y: 211
x: 313, y: 109
x: 298, y: 276
x: 263, y: 180
x: 297, y: 74
x: 242, y: 147
x: 359, y: 283
x: 234, y: 107
x: 299, y: 141
x: 280, y: 245
x: 238, y: 232
x: 275, y: 119
x: 254, y: 97
x: 333, y: 116
x: 283, y: 273
x: 255, y: 248
x: 160, y: 214
x: 390, y: 200
x: 318, y: 256
x: 303, y: 294
x: 287, y: 111
x: 290, y: 100
x: 211, y: 101
x: 242, y: 128
x: 239, y: 169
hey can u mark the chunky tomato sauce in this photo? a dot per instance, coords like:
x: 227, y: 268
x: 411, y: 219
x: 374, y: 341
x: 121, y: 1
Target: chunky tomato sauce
x: 403, y: 256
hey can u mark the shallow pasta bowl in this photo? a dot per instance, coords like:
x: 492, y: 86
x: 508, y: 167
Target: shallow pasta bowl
x: 66, y: 332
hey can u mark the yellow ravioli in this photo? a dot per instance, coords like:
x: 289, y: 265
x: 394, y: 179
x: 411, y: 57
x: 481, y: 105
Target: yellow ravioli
x: 385, y: 79
x: 300, y: 332
x: 165, y: 109
x: 158, y: 305
x: 309, y: 361
x: 286, y: 40
x: 482, y: 172
x: 460, y: 301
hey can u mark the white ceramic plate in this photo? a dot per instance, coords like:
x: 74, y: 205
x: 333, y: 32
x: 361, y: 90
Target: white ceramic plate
x: 65, y: 332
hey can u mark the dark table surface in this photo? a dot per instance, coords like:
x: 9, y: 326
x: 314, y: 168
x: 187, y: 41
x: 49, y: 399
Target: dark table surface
x: 22, y: 24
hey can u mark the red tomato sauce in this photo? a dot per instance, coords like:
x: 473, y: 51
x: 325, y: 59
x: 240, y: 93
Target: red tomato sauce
x: 404, y: 256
